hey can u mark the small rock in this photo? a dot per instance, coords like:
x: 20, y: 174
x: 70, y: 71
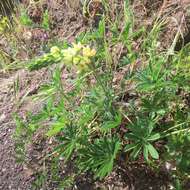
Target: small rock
x: 2, y: 117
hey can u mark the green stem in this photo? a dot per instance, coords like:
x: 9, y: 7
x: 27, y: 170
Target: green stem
x: 175, y: 132
x: 175, y: 126
x: 99, y: 80
x: 106, y: 91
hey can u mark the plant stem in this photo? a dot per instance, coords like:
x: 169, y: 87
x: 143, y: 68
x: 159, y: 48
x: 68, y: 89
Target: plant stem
x: 175, y: 132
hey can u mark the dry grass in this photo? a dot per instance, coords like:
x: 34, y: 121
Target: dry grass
x: 6, y: 7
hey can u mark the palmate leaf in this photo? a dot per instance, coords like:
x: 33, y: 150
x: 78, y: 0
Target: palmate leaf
x: 153, y: 77
x: 105, y: 169
x: 99, y: 156
x: 60, y: 115
x: 141, y: 128
x: 156, y: 103
x: 68, y: 142
x: 108, y: 125
x: 147, y: 149
x: 140, y: 135
x: 86, y: 113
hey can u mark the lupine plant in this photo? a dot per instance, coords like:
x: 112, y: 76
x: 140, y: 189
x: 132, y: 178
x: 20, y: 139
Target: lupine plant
x: 90, y: 120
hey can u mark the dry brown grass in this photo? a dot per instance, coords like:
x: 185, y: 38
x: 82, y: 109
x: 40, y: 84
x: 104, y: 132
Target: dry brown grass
x: 6, y: 7
x: 173, y: 12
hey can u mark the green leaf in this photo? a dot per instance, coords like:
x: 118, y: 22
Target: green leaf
x: 99, y: 156
x: 136, y: 151
x: 154, y: 137
x: 45, y: 22
x: 132, y: 136
x: 108, y: 125
x: 105, y: 169
x: 24, y: 18
x: 101, y: 28
x: 68, y: 142
x: 68, y: 149
x: 153, y: 152
x: 56, y: 128
x: 117, y: 147
x: 145, y: 153
x: 129, y: 147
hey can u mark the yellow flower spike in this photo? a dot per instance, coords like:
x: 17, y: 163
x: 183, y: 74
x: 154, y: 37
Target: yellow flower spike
x: 88, y: 52
x: 77, y: 55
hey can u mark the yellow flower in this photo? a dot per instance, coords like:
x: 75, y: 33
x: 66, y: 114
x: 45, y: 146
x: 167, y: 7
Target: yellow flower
x: 77, y: 55
x: 77, y: 47
x: 55, y: 50
x: 83, y: 64
x: 76, y: 60
x: 56, y: 53
x: 86, y: 60
x: 67, y: 56
x: 69, y: 51
x: 87, y: 52
x: 68, y: 59
x: 82, y: 67
x: 3, y: 24
x: 72, y: 51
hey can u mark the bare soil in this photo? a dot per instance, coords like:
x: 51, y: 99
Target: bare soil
x: 13, y: 175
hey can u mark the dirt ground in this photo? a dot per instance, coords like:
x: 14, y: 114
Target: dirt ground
x: 11, y: 173
x: 69, y: 22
